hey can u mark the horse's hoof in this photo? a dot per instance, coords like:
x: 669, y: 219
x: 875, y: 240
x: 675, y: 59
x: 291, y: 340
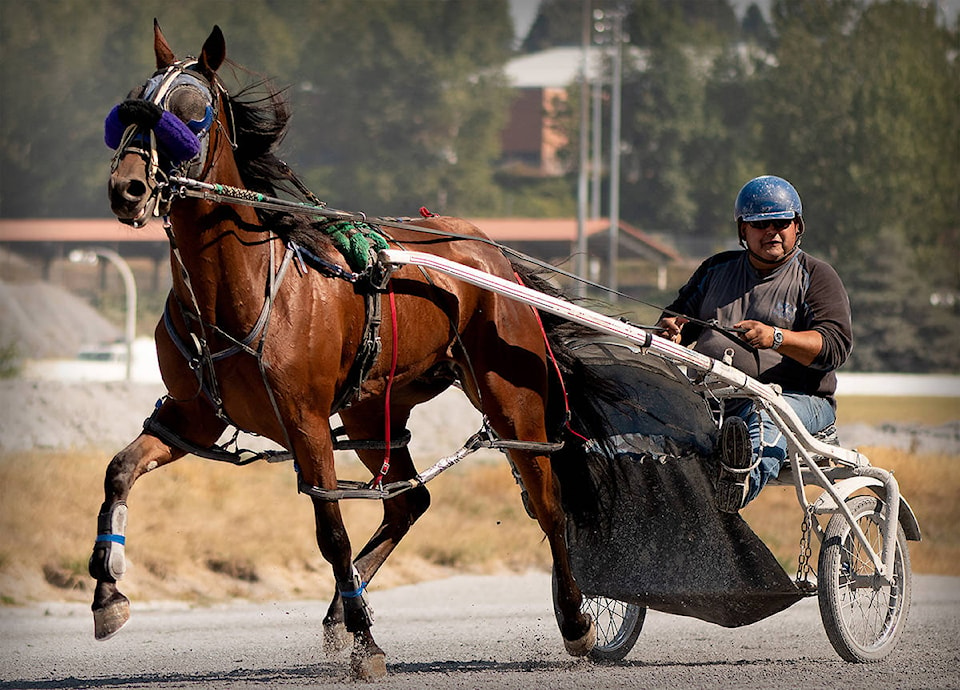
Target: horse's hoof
x: 368, y: 666
x: 336, y: 639
x: 585, y: 644
x: 108, y: 620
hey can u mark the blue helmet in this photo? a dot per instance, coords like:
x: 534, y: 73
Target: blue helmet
x: 767, y: 198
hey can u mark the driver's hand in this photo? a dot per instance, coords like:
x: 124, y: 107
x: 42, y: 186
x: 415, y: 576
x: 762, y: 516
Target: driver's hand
x: 670, y: 327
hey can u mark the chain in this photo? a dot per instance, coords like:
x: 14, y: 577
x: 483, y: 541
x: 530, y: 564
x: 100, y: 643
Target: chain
x: 806, y: 551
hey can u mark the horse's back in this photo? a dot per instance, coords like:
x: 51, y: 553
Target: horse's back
x: 460, y: 241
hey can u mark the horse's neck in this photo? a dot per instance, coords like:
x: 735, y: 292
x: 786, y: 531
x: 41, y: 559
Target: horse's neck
x: 220, y: 266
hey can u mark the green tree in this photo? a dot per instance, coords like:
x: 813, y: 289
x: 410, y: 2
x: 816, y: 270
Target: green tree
x: 754, y: 27
x: 558, y: 23
x: 64, y: 64
x: 681, y: 22
x: 663, y: 117
x: 860, y: 112
x: 408, y: 110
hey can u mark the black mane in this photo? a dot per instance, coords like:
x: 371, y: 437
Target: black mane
x: 260, y: 115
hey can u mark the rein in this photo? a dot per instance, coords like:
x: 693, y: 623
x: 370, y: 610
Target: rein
x: 189, y: 188
x: 199, y: 357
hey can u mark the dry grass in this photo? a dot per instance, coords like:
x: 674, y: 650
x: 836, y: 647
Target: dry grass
x: 931, y: 484
x: 902, y: 410
x: 204, y: 531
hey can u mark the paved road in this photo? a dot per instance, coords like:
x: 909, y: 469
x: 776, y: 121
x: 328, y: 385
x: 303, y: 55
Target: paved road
x: 465, y: 632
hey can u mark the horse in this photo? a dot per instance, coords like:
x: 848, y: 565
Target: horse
x: 255, y: 337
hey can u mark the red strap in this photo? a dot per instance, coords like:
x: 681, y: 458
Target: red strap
x: 556, y: 366
x: 393, y: 372
x: 426, y: 213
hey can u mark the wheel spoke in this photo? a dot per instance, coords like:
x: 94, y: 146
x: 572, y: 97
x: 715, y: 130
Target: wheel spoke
x: 863, y: 612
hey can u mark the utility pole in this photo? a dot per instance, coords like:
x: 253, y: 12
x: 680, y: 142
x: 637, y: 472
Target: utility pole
x: 582, y: 258
x: 612, y: 22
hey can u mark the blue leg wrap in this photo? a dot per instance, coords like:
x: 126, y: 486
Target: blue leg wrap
x: 357, y: 613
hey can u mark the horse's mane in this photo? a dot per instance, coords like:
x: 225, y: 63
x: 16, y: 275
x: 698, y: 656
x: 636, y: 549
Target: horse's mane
x: 260, y: 113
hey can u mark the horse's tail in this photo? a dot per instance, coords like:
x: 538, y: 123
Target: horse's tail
x: 578, y: 404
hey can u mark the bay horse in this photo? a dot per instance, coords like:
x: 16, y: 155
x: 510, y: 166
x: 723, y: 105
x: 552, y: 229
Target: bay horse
x: 253, y: 339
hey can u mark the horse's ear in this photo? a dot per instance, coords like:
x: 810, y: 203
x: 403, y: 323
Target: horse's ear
x: 214, y: 53
x: 161, y: 48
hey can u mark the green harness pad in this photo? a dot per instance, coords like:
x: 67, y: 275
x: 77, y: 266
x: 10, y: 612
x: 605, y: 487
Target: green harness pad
x: 356, y: 240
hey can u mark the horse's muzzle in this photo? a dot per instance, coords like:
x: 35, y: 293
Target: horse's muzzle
x: 133, y: 195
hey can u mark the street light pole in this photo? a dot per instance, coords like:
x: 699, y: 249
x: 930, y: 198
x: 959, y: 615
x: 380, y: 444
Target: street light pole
x: 609, y: 27
x: 615, y: 87
x: 130, y: 288
x: 582, y: 261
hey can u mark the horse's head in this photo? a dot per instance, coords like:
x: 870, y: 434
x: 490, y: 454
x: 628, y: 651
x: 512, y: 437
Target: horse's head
x: 165, y: 127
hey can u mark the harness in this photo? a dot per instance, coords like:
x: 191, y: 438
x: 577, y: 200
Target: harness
x: 201, y: 360
x: 146, y: 127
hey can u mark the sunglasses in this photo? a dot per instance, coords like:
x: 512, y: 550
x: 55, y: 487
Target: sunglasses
x: 776, y: 223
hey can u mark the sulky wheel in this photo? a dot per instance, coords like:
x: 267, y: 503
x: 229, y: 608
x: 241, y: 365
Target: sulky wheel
x: 863, y: 616
x: 618, y: 625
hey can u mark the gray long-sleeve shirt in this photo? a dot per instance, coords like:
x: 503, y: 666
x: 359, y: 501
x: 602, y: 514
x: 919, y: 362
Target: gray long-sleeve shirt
x: 802, y: 295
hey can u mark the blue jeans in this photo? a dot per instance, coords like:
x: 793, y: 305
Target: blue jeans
x: 816, y: 414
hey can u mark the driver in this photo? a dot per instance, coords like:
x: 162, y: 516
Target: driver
x: 794, y: 316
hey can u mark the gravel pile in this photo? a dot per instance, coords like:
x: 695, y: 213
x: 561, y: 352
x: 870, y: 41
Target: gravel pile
x: 44, y: 321
x: 108, y: 415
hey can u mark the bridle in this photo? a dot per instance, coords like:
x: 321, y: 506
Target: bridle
x: 145, y: 126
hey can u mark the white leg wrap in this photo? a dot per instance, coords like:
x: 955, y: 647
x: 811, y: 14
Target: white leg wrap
x: 111, y: 530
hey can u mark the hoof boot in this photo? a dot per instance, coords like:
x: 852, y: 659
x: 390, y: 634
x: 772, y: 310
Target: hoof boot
x: 368, y: 666
x: 108, y: 620
x: 582, y: 646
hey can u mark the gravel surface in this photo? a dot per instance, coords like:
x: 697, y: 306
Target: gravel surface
x: 463, y: 632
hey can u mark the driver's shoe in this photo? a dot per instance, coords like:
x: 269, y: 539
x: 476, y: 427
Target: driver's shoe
x: 736, y: 453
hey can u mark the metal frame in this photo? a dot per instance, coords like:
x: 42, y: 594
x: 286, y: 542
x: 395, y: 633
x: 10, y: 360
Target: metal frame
x: 721, y: 380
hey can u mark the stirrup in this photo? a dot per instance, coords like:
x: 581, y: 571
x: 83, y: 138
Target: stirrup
x: 736, y: 451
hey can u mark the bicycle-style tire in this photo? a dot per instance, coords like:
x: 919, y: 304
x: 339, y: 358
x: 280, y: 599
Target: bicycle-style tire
x: 863, y: 617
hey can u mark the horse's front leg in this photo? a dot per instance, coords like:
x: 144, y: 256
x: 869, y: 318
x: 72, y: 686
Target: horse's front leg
x: 111, y: 609
x: 399, y: 512
x: 367, y: 660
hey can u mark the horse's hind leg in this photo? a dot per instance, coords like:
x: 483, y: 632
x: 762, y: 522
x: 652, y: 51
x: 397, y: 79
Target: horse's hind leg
x: 111, y: 609
x: 578, y: 630
x: 314, y: 452
x: 519, y: 413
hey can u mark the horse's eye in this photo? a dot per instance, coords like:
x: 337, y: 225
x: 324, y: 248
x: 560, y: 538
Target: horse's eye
x: 187, y: 103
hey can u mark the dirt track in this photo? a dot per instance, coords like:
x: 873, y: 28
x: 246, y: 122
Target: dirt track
x: 465, y: 632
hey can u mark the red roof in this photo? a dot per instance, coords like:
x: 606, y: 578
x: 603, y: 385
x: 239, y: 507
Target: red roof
x: 111, y: 230
x: 77, y: 230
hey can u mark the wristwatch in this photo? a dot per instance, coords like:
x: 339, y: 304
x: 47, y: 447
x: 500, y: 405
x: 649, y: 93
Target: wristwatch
x: 777, y: 338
